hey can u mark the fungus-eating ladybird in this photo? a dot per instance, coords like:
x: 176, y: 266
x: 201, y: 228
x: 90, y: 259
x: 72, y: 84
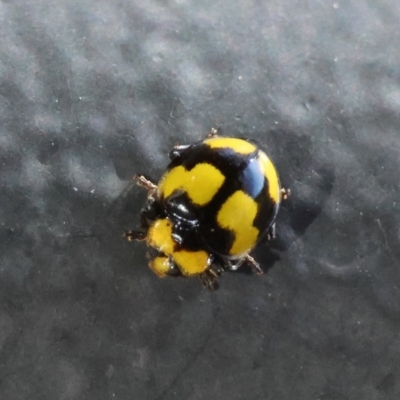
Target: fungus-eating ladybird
x: 216, y: 200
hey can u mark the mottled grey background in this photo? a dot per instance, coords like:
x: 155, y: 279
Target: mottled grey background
x: 92, y: 92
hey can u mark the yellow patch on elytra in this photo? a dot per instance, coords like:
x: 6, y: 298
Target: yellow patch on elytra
x: 238, y: 145
x: 159, y: 236
x: 271, y: 175
x: 201, y: 183
x: 160, y: 266
x: 237, y: 215
x: 191, y: 262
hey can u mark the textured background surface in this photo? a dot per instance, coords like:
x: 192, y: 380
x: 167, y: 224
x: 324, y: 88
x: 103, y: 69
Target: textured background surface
x: 92, y: 92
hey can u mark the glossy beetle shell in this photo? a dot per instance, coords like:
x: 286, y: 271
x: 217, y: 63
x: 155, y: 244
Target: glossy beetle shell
x: 216, y: 200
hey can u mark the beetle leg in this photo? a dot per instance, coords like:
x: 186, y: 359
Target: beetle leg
x: 134, y: 235
x: 215, y: 270
x: 285, y: 193
x: 143, y: 182
x: 271, y: 233
x: 209, y: 281
x: 213, y: 133
x: 254, y: 265
x: 211, y: 275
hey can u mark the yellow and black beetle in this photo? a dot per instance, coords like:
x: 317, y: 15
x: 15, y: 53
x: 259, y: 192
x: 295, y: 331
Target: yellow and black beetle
x: 217, y: 199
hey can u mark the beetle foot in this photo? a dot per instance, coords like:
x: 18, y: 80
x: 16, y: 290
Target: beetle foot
x: 209, y: 281
x: 215, y: 270
x: 271, y: 233
x: 143, y: 182
x: 254, y: 265
x: 213, y: 133
x: 285, y: 193
x: 131, y: 236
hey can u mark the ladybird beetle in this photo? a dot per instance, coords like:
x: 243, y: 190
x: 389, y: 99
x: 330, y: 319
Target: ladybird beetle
x: 216, y: 200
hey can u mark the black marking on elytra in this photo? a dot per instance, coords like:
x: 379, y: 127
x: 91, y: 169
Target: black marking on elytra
x: 231, y: 165
x: 179, y: 151
x: 267, y: 211
x: 241, y: 172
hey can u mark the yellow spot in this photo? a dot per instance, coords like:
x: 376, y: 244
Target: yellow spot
x: 191, y: 262
x: 238, y: 145
x: 272, y: 176
x: 200, y: 183
x: 159, y: 236
x: 160, y: 266
x: 237, y: 215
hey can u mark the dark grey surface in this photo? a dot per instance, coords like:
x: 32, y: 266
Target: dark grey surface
x: 92, y: 92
